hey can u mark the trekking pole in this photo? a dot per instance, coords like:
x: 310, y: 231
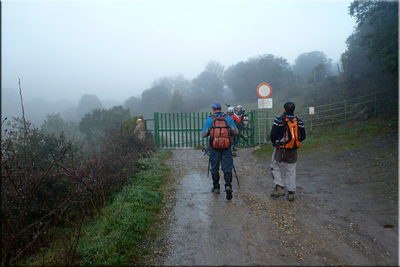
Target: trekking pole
x: 208, y: 170
x: 236, y: 175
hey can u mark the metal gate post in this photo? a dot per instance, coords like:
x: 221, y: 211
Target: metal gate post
x: 156, y: 130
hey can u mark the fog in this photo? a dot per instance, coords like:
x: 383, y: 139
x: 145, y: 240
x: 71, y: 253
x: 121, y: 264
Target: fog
x: 117, y: 49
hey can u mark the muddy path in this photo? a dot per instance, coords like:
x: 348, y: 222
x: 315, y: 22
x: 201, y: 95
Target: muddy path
x: 345, y: 210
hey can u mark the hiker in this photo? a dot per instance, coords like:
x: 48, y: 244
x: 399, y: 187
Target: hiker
x: 239, y: 110
x: 220, y: 127
x: 286, y: 134
x: 236, y: 119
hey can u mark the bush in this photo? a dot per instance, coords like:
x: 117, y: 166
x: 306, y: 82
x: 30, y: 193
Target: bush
x: 49, y: 183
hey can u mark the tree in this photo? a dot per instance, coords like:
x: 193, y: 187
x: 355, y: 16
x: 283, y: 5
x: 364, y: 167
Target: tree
x: 86, y: 104
x: 55, y: 124
x: 216, y: 68
x: 134, y: 105
x: 155, y: 99
x: 382, y: 42
x: 244, y: 77
x: 175, y: 83
x: 177, y: 104
x: 306, y: 62
x: 354, y: 59
x: 210, y: 83
x: 320, y: 73
x: 96, y: 123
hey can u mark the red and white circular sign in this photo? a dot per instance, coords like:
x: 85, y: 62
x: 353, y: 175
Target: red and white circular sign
x: 264, y: 90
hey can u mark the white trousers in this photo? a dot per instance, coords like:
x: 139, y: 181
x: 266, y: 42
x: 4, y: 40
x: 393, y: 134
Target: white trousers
x: 285, y: 161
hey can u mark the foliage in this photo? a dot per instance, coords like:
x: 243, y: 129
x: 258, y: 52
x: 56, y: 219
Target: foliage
x: 216, y: 68
x: 210, y: 84
x: 306, y: 62
x: 86, y: 104
x: 49, y: 185
x: 177, y: 105
x: 134, y: 105
x: 244, y: 77
x: 320, y: 73
x: 382, y: 42
x: 354, y: 59
x: 155, y: 99
x: 129, y: 125
x: 96, y: 123
x: 37, y: 189
x: 334, y: 90
x: 175, y: 83
x: 340, y: 136
x: 115, y: 238
x: 55, y: 124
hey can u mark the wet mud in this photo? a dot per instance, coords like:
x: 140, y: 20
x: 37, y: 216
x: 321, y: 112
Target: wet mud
x: 345, y: 211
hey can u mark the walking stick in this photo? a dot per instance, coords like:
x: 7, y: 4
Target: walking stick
x: 236, y: 175
x: 208, y: 170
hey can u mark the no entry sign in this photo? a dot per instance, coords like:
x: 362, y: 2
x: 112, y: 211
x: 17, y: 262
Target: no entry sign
x: 264, y: 90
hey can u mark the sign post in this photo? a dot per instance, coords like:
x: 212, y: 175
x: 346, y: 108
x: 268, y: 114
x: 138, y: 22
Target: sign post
x: 264, y: 90
x: 311, y: 112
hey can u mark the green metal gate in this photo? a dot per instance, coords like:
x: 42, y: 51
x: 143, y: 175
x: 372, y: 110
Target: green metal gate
x: 183, y: 130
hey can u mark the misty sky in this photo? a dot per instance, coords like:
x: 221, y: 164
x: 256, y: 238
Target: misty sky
x: 116, y: 49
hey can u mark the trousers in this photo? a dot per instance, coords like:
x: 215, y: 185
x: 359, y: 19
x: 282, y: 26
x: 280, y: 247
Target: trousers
x: 287, y: 161
x: 221, y: 157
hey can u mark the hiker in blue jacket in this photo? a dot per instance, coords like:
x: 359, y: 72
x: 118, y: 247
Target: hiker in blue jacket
x: 220, y: 156
x: 286, y: 134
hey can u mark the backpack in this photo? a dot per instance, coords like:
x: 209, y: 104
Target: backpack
x: 290, y: 134
x: 220, y: 134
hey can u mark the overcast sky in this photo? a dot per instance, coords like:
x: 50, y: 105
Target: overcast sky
x: 116, y: 49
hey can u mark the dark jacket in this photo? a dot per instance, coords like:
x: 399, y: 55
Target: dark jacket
x: 277, y: 128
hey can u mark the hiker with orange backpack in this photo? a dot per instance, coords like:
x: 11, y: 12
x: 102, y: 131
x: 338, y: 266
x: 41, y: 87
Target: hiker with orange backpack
x: 286, y: 134
x: 220, y: 127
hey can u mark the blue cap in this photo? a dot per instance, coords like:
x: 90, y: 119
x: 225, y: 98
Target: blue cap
x: 216, y: 105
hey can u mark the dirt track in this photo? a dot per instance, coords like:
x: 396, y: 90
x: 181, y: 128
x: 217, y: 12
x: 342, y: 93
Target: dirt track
x: 345, y: 211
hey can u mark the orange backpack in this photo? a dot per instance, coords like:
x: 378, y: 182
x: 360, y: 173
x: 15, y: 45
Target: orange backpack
x: 290, y: 134
x: 220, y: 134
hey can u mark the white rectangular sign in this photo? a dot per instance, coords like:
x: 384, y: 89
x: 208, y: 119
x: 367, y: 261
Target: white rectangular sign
x: 311, y: 109
x: 264, y: 103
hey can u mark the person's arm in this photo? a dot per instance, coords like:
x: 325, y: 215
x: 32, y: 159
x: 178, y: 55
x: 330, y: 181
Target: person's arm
x: 232, y: 126
x: 302, y: 130
x: 207, y: 127
x: 238, y: 118
x: 235, y: 118
x: 274, y: 135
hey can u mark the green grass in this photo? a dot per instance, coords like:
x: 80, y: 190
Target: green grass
x: 115, y: 239
x: 341, y: 137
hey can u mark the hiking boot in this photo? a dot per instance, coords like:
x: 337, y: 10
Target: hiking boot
x: 278, y: 191
x: 215, y: 190
x: 290, y: 195
x: 228, y: 191
x: 216, y: 186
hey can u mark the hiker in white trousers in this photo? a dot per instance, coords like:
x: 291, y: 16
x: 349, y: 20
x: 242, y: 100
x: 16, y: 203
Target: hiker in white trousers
x: 286, y: 134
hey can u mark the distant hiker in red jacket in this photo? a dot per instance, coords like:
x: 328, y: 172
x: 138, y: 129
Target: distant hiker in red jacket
x: 237, y: 119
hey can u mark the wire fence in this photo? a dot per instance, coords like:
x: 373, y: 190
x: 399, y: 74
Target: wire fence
x: 342, y: 112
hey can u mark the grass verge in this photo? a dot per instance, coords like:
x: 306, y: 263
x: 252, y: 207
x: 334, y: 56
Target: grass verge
x: 341, y: 137
x: 115, y: 239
